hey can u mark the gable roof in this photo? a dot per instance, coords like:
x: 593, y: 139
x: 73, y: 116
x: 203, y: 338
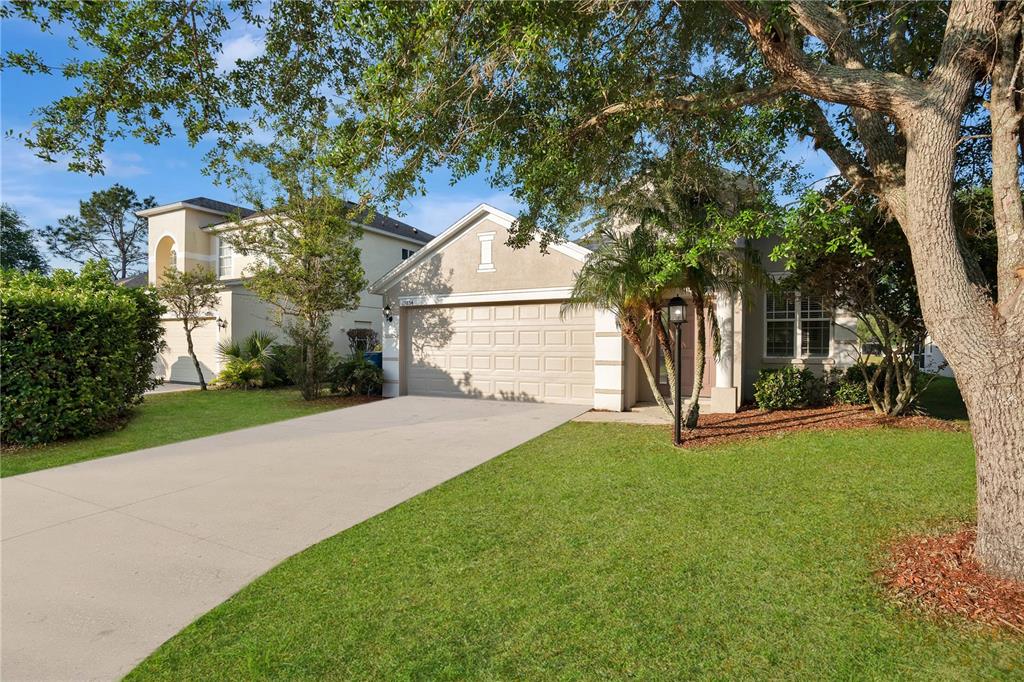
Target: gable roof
x: 506, y: 220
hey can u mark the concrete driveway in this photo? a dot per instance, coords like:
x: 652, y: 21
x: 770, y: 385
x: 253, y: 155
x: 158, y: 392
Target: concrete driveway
x: 103, y: 561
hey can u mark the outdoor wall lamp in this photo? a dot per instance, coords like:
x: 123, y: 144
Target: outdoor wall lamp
x: 222, y: 323
x: 387, y: 313
x: 677, y: 317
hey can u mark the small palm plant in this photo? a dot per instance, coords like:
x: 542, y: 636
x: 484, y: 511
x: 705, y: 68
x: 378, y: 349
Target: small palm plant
x: 247, y: 363
x: 618, y: 277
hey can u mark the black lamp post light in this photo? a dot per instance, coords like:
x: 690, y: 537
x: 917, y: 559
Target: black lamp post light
x: 677, y: 317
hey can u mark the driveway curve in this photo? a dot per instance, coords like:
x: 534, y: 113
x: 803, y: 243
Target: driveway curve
x: 104, y: 560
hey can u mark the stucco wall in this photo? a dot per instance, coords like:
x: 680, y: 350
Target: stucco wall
x: 456, y: 268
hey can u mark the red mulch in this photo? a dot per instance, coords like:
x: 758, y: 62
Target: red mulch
x: 753, y: 423
x: 940, y: 575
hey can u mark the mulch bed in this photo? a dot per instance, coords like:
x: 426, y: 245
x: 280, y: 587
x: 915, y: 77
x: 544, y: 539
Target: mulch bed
x: 940, y: 575
x: 753, y: 423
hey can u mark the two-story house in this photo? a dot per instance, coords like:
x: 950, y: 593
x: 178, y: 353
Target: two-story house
x: 187, y: 234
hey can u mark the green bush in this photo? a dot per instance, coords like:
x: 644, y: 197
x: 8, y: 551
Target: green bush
x: 241, y: 373
x: 846, y: 387
x: 256, y: 352
x: 77, y: 353
x: 787, y: 388
x: 355, y: 375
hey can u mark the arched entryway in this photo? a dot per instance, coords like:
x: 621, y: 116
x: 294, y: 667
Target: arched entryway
x: 166, y: 256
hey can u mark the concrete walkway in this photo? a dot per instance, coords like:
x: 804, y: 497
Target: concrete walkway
x: 104, y: 560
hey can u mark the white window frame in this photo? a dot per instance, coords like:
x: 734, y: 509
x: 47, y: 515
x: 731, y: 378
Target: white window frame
x: 407, y: 253
x: 222, y: 244
x: 486, y: 252
x: 797, y: 351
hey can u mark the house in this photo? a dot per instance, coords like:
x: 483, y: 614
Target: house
x: 467, y: 315
x: 187, y: 234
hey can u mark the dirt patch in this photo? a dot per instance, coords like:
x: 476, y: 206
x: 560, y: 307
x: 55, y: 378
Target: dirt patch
x: 753, y: 423
x: 940, y: 575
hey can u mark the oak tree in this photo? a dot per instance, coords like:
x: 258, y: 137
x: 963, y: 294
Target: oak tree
x: 561, y: 101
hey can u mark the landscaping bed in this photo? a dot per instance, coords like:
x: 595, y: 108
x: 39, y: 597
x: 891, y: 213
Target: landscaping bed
x: 754, y: 423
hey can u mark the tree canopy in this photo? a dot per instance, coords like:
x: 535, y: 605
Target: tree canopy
x: 18, y: 250
x: 562, y: 101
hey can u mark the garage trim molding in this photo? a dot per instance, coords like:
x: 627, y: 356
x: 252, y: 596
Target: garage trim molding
x: 541, y: 294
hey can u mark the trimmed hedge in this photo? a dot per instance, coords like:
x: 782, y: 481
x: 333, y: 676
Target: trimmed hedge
x: 77, y: 353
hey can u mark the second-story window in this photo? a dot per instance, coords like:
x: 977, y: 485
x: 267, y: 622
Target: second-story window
x: 224, y: 254
x: 407, y: 252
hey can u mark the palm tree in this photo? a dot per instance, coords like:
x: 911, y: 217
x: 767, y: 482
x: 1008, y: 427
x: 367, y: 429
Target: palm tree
x: 618, y: 277
x: 695, y: 250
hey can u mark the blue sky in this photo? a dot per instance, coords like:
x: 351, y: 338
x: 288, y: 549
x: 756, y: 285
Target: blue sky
x: 43, y: 192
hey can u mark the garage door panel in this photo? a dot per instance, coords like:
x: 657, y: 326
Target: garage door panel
x: 523, y: 351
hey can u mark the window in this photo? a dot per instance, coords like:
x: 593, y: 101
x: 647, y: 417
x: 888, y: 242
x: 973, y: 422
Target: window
x: 788, y: 334
x: 407, y: 252
x: 815, y: 326
x: 224, y: 253
x: 780, y: 328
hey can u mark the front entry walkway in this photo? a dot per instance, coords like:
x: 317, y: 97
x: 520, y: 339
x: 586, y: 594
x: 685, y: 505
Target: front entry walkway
x: 106, y: 559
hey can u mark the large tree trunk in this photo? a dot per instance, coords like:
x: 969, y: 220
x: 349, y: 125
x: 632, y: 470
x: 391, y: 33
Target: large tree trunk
x: 997, y: 424
x: 985, y: 350
x: 195, y: 360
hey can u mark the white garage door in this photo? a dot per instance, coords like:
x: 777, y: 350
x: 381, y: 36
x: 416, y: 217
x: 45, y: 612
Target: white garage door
x: 516, y: 351
x: 175, y: 364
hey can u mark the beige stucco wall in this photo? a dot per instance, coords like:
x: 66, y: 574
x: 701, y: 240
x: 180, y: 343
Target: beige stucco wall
x: 192, y: 244
x: 754, y: 360
x: 455, y: 269
x: 241, y: 310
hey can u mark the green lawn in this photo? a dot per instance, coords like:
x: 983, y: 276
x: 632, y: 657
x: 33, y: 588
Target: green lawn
x: 942, y: 399
x: 169, y: 418
x: 599, y: 551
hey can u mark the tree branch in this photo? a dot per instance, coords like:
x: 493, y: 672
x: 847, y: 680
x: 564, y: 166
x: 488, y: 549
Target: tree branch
x: 735, y: 99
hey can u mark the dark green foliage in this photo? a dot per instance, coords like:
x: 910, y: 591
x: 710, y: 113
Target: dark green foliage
x: 788, y: 388
x: 17, y: 249
x: 355, y: 375
x: 846, y: 387
x: 256, y: 361
x: 77, y: 352
x: 107, y: 228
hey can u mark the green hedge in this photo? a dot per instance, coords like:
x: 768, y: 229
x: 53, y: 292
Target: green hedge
x: 788, y: 388
x: 77, y: 353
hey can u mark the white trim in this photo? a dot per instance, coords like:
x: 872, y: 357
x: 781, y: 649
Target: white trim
x: 510, y: 295
x: 176, y: 206
x: 797, y: 354
x: 441, y: 241
x: 486, y: 252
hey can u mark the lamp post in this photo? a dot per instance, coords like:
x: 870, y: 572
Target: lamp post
x: 676, y: 317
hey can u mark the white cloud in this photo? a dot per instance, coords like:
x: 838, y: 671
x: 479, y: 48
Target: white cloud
x: 245, y: 46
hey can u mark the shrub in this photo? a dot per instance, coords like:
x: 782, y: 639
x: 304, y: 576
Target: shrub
x: 786, y: 388
x: 361, y: 340
x: 846, y: 387
x: 77, y: 352
x: 257, y: 351
x: 356, y: 375
x: 241, y: 373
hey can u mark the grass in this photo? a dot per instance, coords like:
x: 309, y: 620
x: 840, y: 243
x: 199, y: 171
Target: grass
x: 942, y: 399
x: 599, y: 551
x: 170, y: 418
